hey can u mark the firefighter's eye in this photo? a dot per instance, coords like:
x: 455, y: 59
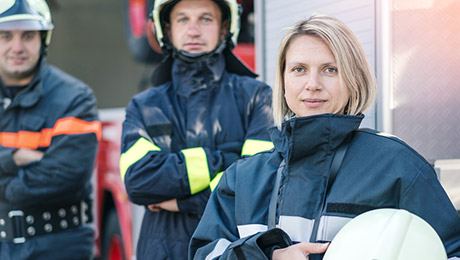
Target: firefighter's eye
x: 5, y: 36
x: 298, y: 69
x: 331, y: 70
x: 182, y: 19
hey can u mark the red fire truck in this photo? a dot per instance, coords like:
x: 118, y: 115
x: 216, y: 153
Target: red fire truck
x: 117, y: 220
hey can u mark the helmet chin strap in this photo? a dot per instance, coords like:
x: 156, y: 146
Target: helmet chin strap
x: 194, y: 57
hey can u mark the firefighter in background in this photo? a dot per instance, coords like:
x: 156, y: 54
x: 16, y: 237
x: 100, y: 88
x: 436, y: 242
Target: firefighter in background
x: 48, y: 140
x: 203, y: 112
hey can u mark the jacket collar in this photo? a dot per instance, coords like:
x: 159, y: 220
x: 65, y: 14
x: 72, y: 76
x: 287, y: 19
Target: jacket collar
x: 188, y: 78
x: 162, y: 73
x: 303, y: 136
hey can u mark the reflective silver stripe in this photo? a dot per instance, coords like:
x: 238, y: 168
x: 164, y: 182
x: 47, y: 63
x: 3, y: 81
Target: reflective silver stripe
x: 219, y: 249
x: 298, y: 228
x: 454, y: 258
x: 251, y: 229
x: 329, y: 226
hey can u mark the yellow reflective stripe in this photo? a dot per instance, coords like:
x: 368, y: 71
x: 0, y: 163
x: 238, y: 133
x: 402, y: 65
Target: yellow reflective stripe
x: 135, y: 153
x: 215, y: 181
x: 197, y: 169
x: 252, y: 146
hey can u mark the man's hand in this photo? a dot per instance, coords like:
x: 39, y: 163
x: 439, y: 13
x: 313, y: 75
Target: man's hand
x: 299, y: 251
x: 169, y: 205
x: 24, y: 156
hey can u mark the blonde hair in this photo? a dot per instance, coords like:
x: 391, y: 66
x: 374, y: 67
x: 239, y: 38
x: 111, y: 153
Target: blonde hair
x: 351, y: 61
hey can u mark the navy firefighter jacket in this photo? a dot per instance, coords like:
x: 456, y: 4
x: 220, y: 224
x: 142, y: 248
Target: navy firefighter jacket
x: 56, y: 114
x: 178, y: 138
x: 378, y: 171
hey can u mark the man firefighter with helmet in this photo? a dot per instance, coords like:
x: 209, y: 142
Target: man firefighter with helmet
x: 203, y: 112
x: 48, y: 141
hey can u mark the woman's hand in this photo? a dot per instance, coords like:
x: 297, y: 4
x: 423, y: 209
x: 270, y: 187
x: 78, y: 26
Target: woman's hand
x: 299, y: 251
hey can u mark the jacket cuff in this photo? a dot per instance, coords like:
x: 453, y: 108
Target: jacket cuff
x: 7, y: 164
x: 273, y: 239
x: 194, y: 204
x: 2, y: 191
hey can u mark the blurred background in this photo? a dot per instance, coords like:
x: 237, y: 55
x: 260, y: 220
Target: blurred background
x: 104, y: 44
x: 89, y: 43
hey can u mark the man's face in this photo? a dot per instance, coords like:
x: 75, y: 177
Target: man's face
x: 195, y: 26
x: 19, y: 54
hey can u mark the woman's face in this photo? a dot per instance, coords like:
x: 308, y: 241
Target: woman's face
x: 311, y: 81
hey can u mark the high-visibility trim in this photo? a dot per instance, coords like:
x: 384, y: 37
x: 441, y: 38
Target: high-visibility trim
x: 329, y: 226
x: 252, y: 146
x: 215, y: 181
x: 219, y: 249
x: 250, y: 229
x: 298, y: 228
x: 63, y: 126
x: 135, y: 153
x: 197, y: 169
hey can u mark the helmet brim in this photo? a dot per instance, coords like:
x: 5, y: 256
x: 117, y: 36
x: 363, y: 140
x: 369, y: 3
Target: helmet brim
x: 26, y: 25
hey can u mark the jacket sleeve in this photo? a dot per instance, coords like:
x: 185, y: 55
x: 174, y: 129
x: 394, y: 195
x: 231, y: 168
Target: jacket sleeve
x: 258, y: 119
x: 68, y: 161
x: 7, y: 165
x: 216, y: 236
x: 435, y: 207
x: 194, y: 204
x: 152, y: 173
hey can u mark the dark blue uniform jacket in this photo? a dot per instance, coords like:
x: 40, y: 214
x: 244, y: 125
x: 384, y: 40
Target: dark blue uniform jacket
x: 55, y: 114
x: 179, y: 136
x: 378, y: 171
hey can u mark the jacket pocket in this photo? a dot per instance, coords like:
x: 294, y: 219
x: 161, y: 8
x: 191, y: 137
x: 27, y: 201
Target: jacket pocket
x: 351, y: 209
x: 159, y: 130
x: 32, y: 122
x: 157, y: 123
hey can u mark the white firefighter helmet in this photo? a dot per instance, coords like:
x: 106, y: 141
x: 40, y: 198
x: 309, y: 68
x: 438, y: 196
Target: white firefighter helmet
x: 231, y: 6
x: 386, y: 234
x: 33, y: 15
